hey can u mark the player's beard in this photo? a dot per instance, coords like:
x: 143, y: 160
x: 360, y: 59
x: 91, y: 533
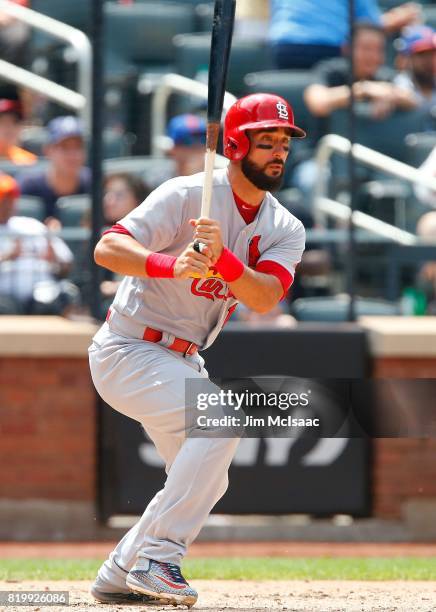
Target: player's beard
x: 256, y: 175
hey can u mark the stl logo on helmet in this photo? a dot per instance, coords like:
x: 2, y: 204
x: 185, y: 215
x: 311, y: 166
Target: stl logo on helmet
x: 282, y: 110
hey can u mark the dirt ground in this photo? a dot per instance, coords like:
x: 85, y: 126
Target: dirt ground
x: 240, y: 596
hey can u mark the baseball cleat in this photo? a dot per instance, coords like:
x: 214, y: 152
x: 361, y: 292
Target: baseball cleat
x: 161, y: 580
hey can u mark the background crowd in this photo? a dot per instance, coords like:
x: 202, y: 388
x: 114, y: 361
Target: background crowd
x: 298, y: 49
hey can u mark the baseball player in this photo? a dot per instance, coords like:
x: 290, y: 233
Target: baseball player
x: 173, y: 302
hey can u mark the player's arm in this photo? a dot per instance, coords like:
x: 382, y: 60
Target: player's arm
x: 257, y: 290
x: 122, y: 254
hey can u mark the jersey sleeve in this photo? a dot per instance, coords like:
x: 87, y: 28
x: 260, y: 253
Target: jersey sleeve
x: 156, y: 221
x: 283, y: 256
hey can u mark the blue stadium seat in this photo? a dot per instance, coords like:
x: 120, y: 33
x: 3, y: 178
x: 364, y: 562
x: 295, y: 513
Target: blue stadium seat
x: 76, y: 13
x: 290, y: 84
x: 335, y: 309
x: 73, y: 209
x: 30, y: 206
x: 192, y: 57
x: 387, y: 136
x: 418, y: 147
x: 153, y: 170
x: 143, y: 33
x: 429, y: 11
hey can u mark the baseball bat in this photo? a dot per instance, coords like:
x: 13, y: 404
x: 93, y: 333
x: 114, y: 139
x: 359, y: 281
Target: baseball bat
x: 221, y: 42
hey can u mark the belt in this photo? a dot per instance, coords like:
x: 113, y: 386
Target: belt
x: 123, y: 325
x: 179, y: 345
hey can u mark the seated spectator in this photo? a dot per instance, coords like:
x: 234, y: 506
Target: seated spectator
x: 424, y: 194
x: 374, y: 92
x: 32, y: 263
x: 66, y: 174
x: 426, y: 229
x: 374, y: 81
x: 417, y: 62
x: 305, y: 32
x: 11, y: 115
x: 122, y: 193
x: 187, y: 138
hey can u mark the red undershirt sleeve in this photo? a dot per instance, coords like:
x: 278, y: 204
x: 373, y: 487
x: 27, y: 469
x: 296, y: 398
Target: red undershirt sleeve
x: 117, y: 229
x: 274, y: 268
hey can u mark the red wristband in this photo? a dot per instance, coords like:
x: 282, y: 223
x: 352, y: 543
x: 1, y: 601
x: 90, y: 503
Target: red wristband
x: 159, y: 265
x: 229, y: 266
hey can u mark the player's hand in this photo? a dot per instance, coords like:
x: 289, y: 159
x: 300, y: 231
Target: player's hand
x: 208, y: 232
x: 191, y: 263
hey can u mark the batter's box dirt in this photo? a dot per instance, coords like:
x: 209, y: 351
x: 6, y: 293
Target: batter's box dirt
x: 241, y: 596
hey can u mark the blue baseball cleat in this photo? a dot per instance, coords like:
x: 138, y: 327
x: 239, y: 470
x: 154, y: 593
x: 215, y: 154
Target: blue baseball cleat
x: 161, y: 580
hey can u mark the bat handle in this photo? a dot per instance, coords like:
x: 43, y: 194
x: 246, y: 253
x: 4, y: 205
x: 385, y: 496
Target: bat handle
x: 213, y: 130
x: 209, y: 165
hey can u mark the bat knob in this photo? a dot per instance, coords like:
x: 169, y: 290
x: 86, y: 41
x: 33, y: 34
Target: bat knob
x: 199, y: 246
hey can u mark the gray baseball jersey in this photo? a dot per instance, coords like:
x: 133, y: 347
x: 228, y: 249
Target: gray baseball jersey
x: 196, y: 309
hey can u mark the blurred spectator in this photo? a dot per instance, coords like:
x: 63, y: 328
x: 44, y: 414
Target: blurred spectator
x: 374, y: 81
x: 14, y: 38
x: 252, y: 18
x: 424, y: 194
x: 66, y: 174
x: 32, y: 262
x: 187, y: 140
x: 11, y: 115
x: 374, y: 91
x: 122, y: 193
x: 305, y: 32
x: 417, y: 62
x: 426, y: 229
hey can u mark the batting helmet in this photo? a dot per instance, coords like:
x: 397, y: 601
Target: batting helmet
x: 252, y: 113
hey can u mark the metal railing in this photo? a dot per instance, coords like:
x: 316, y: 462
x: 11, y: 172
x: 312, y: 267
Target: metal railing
x: 167, y: 85
x: 78, y: 101
x: 324, y: 206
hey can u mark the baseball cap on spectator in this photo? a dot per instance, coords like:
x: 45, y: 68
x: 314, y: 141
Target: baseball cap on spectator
x: 64, y: 127
x: 8, y: 187
x: 11, y: 106
x: 187, y: 130
x: 416, y: 39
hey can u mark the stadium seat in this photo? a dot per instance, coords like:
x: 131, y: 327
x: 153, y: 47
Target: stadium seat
x: 192, y: 58
x: 33, y: 139
x: 429, y: 12
x: 76, y: 13
x: 30, y: 206
x: 18, y: 170
x: 335, y: 309
x: 387, y: 136
x: 418, y: 147
x: 204, y: 13
x: 73, y: 209
x: 290, y: 84
x: 153, y: 170
x: 142, y: 33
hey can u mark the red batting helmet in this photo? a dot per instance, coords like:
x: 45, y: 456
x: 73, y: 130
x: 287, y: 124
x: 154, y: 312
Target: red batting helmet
x: 253, y: 112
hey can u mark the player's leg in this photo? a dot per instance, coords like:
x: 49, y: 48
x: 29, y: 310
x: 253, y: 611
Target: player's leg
x: 147, y: 383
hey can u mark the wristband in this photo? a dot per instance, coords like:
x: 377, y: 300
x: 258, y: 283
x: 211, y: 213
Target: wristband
x: 159, y: 265
x: 229, y: 266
